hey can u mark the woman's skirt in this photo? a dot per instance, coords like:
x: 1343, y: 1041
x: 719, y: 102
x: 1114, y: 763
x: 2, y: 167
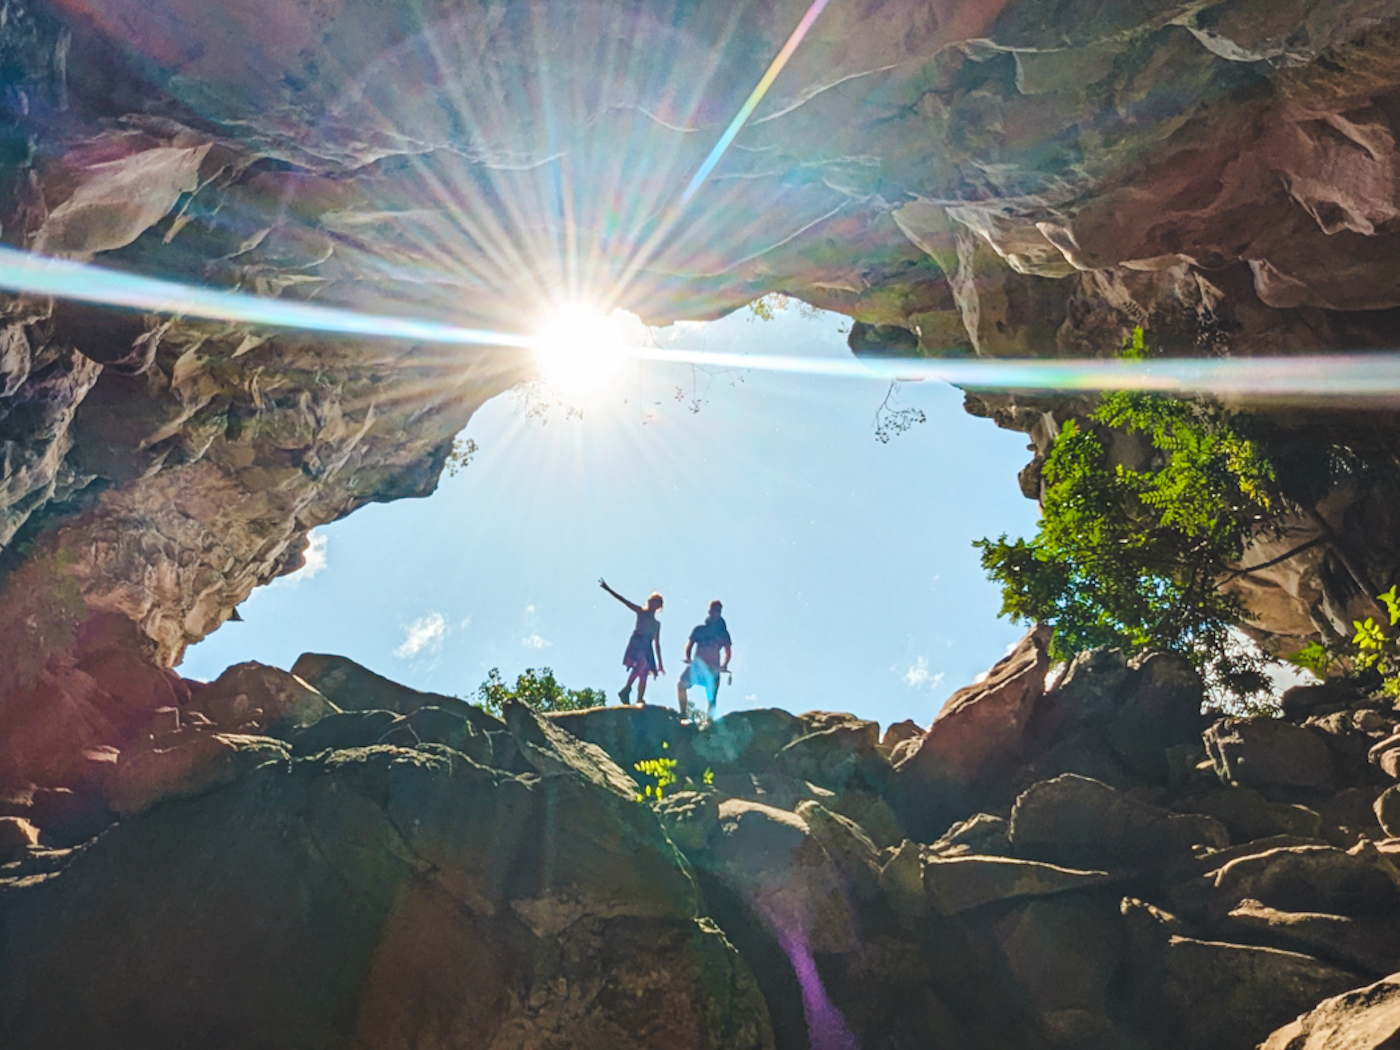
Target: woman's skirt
x: 640, y: 655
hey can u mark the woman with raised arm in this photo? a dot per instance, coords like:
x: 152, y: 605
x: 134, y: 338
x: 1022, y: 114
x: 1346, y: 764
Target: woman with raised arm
x: 643, y: 655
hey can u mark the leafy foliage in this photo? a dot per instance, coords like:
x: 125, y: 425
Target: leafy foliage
x: 463, y: 449
x: 1133, y: 554
x: 537, y: 688
x: 658, y: 774
x: 774, y: 303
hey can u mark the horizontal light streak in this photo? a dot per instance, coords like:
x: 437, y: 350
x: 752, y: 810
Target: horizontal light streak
x: 32, y: 274
x: 1372, y: 376
x: 1356, y: 377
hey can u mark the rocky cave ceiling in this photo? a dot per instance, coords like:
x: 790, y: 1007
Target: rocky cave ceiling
x: 997, y: 178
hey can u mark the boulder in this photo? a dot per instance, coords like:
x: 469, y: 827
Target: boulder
x: 350, y: 729
x: 898, y: 732
x: 1387, y: 808
x: 254, y: 694
x: 1385, y: 755
x: 550, y: 750
x: 851, y: 852
x: 958, y: 884
x: 17, y: 836
x: 1248, y: 815
x: 750, y: 739
x: 1139, y: 708
x: 1357, y: 882
x: 1266, y: 752
x: 352, y: 687
x: 453, y: 728
x: 1361, y: 1019
x: 841, y: 757
x: 377, y: 897
x: 185, y: 764
x: 630, y: 734
x: 1370, y: 945
x: 691, y: 819
x: 980, y: 729
x: 1300, y: 701
x: 1078, y: 821
x: 1250, y: 991
x: 983, y: 833
x: 1063, y: 954
x: 768, y: 858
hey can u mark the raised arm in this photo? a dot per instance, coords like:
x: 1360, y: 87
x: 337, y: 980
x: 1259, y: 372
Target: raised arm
x: 631, y: 605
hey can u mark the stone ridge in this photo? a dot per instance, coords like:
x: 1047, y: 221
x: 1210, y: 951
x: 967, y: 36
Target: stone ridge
x: 423, y: 872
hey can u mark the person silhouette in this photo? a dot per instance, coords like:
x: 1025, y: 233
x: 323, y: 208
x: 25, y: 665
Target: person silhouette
x: 643, y: 654
x: 708, y: 641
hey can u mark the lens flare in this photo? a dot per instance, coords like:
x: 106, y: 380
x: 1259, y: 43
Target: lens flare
x: 579, y: 349
x: 28, y: 273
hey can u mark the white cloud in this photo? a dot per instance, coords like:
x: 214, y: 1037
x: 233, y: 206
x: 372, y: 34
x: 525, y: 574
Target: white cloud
x: 534, y: 641
x: 751, y: 698
x: 424, y: 633
x: 315, y: 555
x: 918, y: 676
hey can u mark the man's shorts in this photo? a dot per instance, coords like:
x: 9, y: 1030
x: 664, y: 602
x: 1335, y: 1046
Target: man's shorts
x: 698, y: 672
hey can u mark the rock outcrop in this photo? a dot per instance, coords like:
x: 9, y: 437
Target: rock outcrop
x: 1008, y: 178
x: 424, y: 871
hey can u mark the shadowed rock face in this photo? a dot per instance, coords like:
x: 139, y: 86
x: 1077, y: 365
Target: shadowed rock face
x: 1004, y: 178
x: 426, y: 874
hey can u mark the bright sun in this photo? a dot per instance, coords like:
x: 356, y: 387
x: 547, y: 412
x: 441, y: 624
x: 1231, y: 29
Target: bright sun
x: 580, y: 349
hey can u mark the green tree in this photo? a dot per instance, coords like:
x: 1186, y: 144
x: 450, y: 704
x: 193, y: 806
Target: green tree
x: 1136, y: 556
x: 538, y: 688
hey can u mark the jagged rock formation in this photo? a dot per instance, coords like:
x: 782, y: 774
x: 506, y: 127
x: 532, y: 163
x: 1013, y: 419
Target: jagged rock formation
x: 342, y: 861
x: 1002, y: 179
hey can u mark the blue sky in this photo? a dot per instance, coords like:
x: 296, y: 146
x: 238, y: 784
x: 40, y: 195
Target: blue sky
x: 844, y: 564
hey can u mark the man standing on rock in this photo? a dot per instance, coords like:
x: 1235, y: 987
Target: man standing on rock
x: 708, y: 641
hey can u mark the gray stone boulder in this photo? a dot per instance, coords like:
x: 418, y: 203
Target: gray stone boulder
x: 1387, y: 809
x: 1370, y: 945
x: 353, y: 687
x: 17, y: 837
x: 630, y: 734
x: 769, y: 858
x: 1385, y: 756
x: 1077, y: 821
x: 352, y: 729
x: 549, y: 750
x: 186, y: 763
x: 841, y: 756
x: 1248, y: 815
x: 1063, y: 955
x: 256, y: 695
x: 1233, y: 995
x: 1267, y: 752
x: 751, y: 739
x: 1361, y: 1019
x: 982, y: 833
x: 959, y: 884
x: 377, y: 897
x: 1357, y: 882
